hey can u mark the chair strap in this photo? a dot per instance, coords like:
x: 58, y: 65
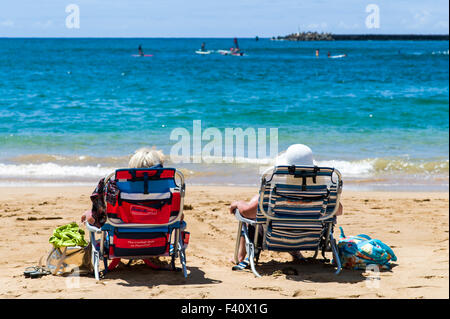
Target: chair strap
x: 316, y: 197
x: 145, y: 183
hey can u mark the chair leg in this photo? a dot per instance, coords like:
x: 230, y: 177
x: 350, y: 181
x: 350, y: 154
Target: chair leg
x: 335, y: 254
x: 96, y: 263
x: 250, y: 247
x: 183, y: 258
x: 238, y: 242
x: 172, y: 263
x: 95, y: 255
x: 251, y: 256
x: 105, y: 264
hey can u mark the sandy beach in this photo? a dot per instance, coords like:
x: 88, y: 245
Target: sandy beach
x: 415, y: 225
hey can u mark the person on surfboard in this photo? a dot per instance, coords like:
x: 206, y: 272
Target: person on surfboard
x: 236, y: 49
x: 140, y: 52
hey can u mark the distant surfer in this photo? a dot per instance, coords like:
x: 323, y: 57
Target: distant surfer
x: 203, y: 50
x: 140, y: 52
x: 236, y: 50
x: 329, y: 54
x: 336, y: 56
x: 317, y: 53
x: 257, y: 38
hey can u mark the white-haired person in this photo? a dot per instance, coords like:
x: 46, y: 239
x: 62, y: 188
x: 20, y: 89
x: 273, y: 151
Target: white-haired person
x: 142, y: 158
x: 296, y: 154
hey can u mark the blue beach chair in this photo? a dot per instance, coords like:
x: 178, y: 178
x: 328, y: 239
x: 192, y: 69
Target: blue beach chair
x: 296, y: 212
x: 143, y: 219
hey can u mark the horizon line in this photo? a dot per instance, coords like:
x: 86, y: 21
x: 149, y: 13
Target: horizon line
x: 219, y: 37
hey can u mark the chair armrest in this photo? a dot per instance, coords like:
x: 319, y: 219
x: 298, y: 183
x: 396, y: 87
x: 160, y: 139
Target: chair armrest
x: 240, y: 218
x: 92, y: 228
x: 338, y: 197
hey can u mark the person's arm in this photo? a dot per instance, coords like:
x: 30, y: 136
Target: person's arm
x: 96, y: 216
x: 246, y: 209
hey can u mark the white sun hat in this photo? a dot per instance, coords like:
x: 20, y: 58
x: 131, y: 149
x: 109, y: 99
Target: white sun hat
x: 296, y: 154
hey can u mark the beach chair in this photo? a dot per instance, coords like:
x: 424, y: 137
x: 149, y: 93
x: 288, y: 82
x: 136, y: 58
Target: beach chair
x: 296, y: 212
x: 143, y: 220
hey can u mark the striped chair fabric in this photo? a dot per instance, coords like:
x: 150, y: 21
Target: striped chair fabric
x: 298, y: 212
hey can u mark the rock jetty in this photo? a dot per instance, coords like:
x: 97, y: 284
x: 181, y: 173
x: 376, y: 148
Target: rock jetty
x: 316, y: 36
x: 305, y: 36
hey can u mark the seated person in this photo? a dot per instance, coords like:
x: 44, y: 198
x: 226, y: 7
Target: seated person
x: 143, y: 158
x: 297, y: 154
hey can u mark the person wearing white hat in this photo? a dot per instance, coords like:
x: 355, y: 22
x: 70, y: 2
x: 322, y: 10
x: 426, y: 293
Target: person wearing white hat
x: 296, y: 154
x: 299, y: 155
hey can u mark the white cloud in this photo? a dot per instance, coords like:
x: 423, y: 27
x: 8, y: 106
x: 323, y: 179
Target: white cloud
x: 343, y: 25
x: 441, y: 25
x: 314, y: 27
x: 425, y: 19
x: 44, y: 24
x: 422, y: 17
x: 7, y: 23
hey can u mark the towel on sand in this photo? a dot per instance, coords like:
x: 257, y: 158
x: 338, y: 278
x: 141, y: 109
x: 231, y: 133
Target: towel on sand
x: 356, y: 252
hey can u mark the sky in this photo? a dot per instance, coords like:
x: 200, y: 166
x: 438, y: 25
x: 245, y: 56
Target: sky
x: 212, y: 18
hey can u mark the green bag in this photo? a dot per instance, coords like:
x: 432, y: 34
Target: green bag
x: 69, y: 235
x: 71, y: 253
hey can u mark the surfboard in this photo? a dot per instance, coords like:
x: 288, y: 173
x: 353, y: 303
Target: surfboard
x: 202, y: 52
x: 228, y: 52
x: 145, y: 55
x: 337, y: 56
x: 224, y: 52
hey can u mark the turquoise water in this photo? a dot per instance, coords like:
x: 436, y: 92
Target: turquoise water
x: 72, y: 109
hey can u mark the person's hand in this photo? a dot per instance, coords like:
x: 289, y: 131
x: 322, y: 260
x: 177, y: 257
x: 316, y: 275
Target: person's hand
x: 233, y: 207
x: 87, y: 216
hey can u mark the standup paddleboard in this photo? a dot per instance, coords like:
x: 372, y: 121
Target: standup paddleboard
x: 202, y: 52
x: 337, y: 56
x: 145, y: 55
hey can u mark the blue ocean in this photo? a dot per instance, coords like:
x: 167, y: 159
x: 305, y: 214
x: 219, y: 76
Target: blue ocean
x: 72, y: 110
